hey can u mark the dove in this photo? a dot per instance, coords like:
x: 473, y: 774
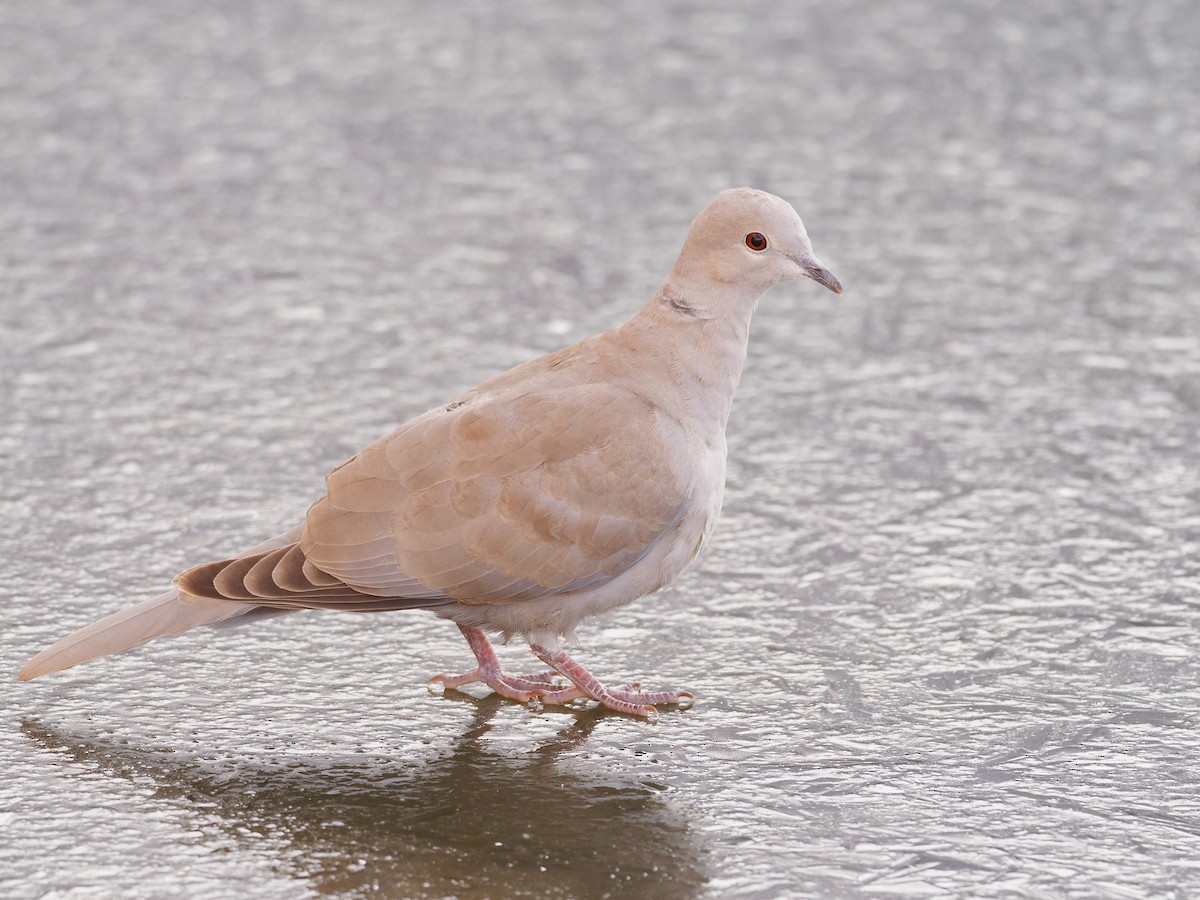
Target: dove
x: 567, y: 487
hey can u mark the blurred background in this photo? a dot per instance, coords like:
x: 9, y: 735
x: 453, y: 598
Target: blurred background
x: 945, y: 638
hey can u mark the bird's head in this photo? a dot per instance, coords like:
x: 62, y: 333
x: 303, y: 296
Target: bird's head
x: 750, y: 239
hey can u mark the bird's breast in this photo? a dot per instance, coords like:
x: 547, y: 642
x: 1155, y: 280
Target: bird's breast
x: 709, y: 491
x: 702, y: 503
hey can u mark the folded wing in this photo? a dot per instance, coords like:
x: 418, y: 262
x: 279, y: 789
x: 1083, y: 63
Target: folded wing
x: 498, y: 500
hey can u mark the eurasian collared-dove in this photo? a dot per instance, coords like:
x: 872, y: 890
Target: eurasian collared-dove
x: 563, y: 488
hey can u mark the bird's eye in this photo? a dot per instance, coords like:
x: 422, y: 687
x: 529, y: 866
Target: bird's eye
x: 756, y: 242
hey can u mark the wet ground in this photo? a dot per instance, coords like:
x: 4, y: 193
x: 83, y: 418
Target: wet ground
x: 946, y: 637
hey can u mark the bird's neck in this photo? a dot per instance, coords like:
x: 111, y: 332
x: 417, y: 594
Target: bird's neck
x: 694, y: 335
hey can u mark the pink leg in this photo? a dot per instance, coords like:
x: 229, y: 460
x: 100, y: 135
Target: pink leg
x: 622, y: 699
x: 487, y: 671
x: 545, y: 687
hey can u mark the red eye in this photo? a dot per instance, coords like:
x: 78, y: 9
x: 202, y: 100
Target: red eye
x: 756, y: 242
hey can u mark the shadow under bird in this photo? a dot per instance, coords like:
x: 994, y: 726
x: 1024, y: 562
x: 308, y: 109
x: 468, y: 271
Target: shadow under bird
x: 566, y: 487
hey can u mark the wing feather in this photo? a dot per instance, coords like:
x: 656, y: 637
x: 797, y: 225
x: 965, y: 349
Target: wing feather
x: 504, y: 499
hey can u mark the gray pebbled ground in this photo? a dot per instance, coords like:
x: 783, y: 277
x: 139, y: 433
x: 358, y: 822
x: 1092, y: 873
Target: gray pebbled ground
x: 946, y: 637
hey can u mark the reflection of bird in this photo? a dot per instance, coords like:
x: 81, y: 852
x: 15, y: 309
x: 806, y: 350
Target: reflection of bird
x: 470, y: 822
x: 563, y: 488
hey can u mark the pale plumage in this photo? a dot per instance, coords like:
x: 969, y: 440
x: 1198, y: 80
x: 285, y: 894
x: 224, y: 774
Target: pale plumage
x: 563, y: 488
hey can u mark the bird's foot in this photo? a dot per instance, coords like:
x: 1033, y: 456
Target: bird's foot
x: 565, y: 682
x: 544, y: 687
x: 547, y: 687
x: 626, y: 699
x: 514, y: 687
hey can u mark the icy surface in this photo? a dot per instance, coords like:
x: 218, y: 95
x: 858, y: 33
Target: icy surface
x: 945, y: 639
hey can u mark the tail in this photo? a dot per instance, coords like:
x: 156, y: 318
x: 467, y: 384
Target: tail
x: 165, y: 616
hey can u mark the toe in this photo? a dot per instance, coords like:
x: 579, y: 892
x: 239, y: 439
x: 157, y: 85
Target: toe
x: 450, y: 682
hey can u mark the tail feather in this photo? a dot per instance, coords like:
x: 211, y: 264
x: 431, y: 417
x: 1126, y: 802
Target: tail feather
x: 167, y: 615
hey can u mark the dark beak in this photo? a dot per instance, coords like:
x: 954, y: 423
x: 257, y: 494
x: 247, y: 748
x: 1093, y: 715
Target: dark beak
x: 813, y: 269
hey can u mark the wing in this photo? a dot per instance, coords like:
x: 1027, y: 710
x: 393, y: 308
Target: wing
x: 502, y: 499
x: 283, y: 578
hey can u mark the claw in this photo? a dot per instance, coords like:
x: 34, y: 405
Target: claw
x: 686, y: 700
